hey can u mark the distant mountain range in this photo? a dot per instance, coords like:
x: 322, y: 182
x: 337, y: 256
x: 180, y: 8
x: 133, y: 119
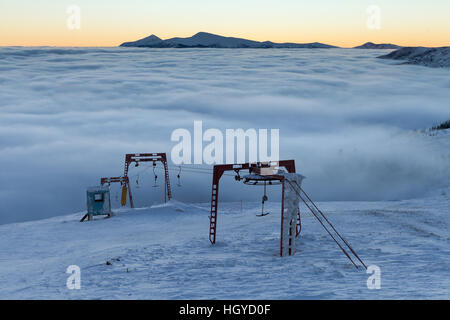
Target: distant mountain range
x: 209, y: 40
x: 430, y: 57
x: 371, y: 45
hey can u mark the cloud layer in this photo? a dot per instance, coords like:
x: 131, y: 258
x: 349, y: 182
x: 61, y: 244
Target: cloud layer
x: 68, y: 116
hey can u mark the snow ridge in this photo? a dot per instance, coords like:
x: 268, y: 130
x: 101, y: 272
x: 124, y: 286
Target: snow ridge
x: 430, y: 57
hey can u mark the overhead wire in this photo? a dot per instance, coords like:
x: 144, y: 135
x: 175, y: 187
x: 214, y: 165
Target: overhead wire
x: 302, y: 192
x: 303, y: 195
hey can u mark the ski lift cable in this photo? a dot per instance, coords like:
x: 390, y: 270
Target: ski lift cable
x: 141, y: 171
x: 332, y: 226
x: 185, y: 169
x: 194, y: 170
x: 323, y: 225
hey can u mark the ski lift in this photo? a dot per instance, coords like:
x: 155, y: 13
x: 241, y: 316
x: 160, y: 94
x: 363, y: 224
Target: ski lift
x: 116, y: 194
x: 137, y: 182
x: 264, y: 199
x: 155, y: 185
x: 259, y: 179
x: 237, y: 177
x: 179, y: 177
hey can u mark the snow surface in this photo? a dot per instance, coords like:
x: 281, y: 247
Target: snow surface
x: 163, y: 252
x: 430, y: 57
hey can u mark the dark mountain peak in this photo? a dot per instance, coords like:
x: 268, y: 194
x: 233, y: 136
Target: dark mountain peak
x: 145, y: 42
x: 153, y: 37
x: 205, y: 34
x: 371, y: 45
x: 210, y: 40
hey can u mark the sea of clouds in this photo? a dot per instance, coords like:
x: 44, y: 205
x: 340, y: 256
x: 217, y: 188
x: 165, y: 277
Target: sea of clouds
x: 68, y: 116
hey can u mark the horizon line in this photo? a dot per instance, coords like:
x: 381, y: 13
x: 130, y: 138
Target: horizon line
x: 214, y: 34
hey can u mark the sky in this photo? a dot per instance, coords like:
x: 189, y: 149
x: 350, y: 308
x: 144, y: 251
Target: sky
x: 345, y: 23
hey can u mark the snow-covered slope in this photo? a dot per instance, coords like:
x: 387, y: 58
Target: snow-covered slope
x: 164, y: 253
x: 441, y: 138
x: 371, y: 45
x: 209, y: 40
x: 430, y: 57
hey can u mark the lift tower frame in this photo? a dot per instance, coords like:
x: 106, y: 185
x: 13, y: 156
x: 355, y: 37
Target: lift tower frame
x: 148, y: 157
x: 218, y: 172
x: 125, y: 180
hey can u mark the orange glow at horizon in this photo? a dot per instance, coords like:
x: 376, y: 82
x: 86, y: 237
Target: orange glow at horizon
x: 405, y: 23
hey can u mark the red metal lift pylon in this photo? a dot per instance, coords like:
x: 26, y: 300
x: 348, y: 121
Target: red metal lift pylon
x: 218, y: 172
x: 148, y: 157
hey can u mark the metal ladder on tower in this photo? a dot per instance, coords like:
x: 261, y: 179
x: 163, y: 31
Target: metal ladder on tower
x: 213, y: 215
x: 298, y: 228
x: 167, y: 185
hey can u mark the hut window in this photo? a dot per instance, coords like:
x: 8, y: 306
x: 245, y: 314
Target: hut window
x: 98, y: 197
